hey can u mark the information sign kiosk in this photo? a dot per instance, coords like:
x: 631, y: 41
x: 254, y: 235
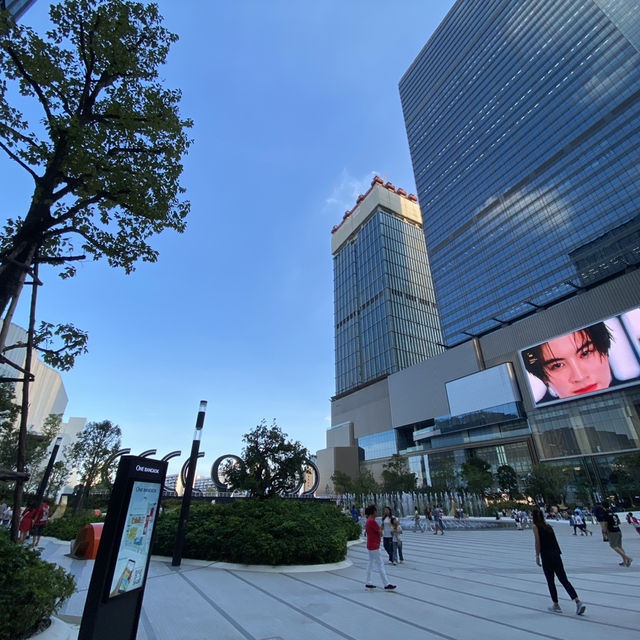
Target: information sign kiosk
x: 114, y: 599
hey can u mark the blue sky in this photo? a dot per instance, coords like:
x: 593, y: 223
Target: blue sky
x: 296, y: 107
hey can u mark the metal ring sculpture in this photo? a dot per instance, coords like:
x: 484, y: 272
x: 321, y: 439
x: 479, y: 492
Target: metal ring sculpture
x: 310, y: 467
x: 215, y: 471
x: 185, y: 468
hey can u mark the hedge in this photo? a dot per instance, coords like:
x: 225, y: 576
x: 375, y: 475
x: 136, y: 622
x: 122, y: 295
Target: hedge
x: 31, y: 590
x: 67, y: 527
x: 272, y: 531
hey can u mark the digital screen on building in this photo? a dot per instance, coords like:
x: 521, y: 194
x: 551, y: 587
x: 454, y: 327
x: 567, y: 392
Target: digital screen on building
x: 591, y: 359
x: 135, y: 545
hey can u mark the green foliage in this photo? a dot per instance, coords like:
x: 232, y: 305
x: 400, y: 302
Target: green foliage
x: 272, y: 465
x: 37, y: 455
x: 396, y: 475
x: 477, y: 475
x: 273, y: 532
x: 548, y: 482
x: 507, y: 479
x: 342, y: 482
x: 444, y: 478
x: 67, y: 527
x: 95, y: 444
x: 105, y: 154
x: 365, y: 484
x: 31, y: 590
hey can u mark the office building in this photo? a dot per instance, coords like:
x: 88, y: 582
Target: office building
x: 523, y: 120
x: 16, y: 7
x: 385, y: 313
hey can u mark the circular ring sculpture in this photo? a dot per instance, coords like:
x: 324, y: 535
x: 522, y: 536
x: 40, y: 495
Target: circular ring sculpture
x: 215, y: 471
x: 310, y: 467
x: 185, y: 469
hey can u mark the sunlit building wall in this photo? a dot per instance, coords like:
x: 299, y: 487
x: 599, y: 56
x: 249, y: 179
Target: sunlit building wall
x: 385, y: 313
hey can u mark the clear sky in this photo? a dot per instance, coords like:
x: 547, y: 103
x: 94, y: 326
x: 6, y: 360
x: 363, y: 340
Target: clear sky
x: 296, y: 107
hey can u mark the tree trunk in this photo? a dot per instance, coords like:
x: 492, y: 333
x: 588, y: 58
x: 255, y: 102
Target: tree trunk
x: 24, y: 413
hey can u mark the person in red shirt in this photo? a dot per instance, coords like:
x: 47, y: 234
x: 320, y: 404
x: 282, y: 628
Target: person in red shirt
x: 374, y: 533
x: 39, y: 522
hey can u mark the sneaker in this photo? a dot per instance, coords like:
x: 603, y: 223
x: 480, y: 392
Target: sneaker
x: 401, y: 562
x: 369, y: 586
x: 579, y: 608
x: 628, y: 562
x: 555, y: 608
x: 390, y: 587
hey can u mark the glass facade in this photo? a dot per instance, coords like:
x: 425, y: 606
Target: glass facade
x: 16, y: 7
x: 385, y: 312
x: 379, y: 445
x: 596, y: 425
x: 523, y: 120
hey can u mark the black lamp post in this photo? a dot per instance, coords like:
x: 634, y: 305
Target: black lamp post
x: 186, y: 497
x: 47, y: 472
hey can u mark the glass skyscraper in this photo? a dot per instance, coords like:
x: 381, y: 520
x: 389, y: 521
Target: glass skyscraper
x: 16, y: 7
x: 523, y: 120
x: 385, y: 313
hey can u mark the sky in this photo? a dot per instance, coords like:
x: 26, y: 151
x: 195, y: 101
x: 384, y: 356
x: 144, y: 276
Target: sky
x: 296, y: 107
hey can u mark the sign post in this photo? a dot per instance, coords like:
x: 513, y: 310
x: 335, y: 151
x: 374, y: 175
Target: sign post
x: 114, y: 600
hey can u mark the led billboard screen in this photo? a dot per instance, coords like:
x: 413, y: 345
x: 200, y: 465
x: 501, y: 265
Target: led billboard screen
x: 591, y: 359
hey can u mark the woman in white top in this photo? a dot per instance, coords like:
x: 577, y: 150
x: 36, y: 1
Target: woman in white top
x: 387, y: 533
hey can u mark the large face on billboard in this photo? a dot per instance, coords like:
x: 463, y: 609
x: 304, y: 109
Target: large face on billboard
x: 592, y: 359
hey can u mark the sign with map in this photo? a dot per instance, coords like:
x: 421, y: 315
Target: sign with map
x: 135, y: 544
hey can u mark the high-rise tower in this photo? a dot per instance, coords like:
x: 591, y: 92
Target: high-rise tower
x: 385, y: 313
x: 16, y: 7
x: 523, y: 121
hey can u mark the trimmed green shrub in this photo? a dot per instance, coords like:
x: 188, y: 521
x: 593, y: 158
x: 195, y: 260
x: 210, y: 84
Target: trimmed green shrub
x: 269, y: 531
x: 67, y: 527
x: 31, y: 590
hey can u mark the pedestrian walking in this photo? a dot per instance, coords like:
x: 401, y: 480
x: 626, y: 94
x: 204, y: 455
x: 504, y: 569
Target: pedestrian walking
x: 397, y: 542
x: 548, y: 557
x: 26, y: 521
x: 599, y: 513
x: 374, y: 533
x: 437, y: 518
x: 40, y: 522
x: 428, y: 518
x: 614, y: 536
x: 631, y: 519
x: 387, y: 532
x: 416, y: 521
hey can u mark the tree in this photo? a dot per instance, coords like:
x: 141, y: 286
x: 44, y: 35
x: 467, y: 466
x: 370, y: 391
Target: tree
x: 95, y: 444
x: 507, y: 480
x: 37, y: 446
x: 444, y: 478
x: 396, y: 475
x: 365, y: 484
x: 273, y: 465
x: 107, y: 162
x: 36, y: 443
x: 477, y: 475
x: 342, y: 482
x: 547, y: 482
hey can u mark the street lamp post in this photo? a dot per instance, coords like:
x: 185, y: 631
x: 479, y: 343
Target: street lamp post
x: 186, y: 497
x: 45, y: 478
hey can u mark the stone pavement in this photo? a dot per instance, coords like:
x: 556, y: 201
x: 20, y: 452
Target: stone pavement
x: 470, y: 584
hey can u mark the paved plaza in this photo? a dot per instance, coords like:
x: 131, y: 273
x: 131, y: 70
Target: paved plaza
x: 463, y: 585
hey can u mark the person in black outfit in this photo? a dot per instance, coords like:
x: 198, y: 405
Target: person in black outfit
x: 548, y: 550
